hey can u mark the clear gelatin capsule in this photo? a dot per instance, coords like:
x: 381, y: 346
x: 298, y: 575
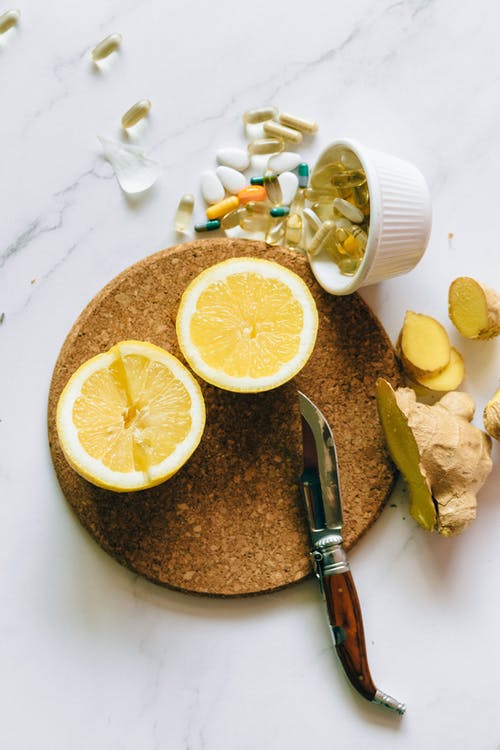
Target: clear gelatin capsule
x: 184, y: 213
x: 293, y: 231
x: 273, y: 188
x: 106, y: 47
x: 277, y: 211
x: 276, y: 231
x: 298, y: 123
x: 321, y: 179
x: 303, y: 174
x: 348, y: 179
x: 324, y: 211
x: 258, y: 207
x: 255, y: 222
x: 232, y: 219
x: 9, y: 19
x: 223, y: 207
x: 207, y: 226
x: 266, y: 146
x: 136, y: 113
x: 298, y: 203
x: 362, y: 198
x: 348, y: 266
x: 261, y: 114
x: 275, y: 129
x: 320, y: 196
x: 321, y: 237
x: 345, y: 208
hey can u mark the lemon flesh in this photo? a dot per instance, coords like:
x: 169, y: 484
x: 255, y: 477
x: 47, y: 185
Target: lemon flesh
x: 247, y: 324
x: 130, y: 418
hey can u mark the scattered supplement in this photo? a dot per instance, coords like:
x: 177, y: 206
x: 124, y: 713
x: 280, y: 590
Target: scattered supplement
x: 232, y: 219
x: 255, y: 116
x: 208, y: 226
x: 106, y: 47
x: 237, y: 158
x: 274, y: 129
x: 319, y: 196
x: 266, y: 146
x: 293, y: 232
x: 232, y: 179
x: 137, y: 112
x: 252, y: 193
x: 273, y: 189
x: 289, y: 183
x: 9, y: 19
x: 251, y: 222
x: 257, y: 180
x: 277, y: 211
x: 211, y: 187
x: 276, y: 232
x: 303, y: 174
x: 184, y: 213
x: 347, y: 209
x: 297, y: 123
x: 284, y: 162
x: 444, y: 459
x: 322, y: 236
x: 474, y: 308
x: 491, y: 416
x: 312, y: 219
x: 134, y: 171
x: 223, y: 207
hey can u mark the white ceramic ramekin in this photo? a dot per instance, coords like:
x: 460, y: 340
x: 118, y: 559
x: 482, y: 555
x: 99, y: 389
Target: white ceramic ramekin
x: 400, y: 220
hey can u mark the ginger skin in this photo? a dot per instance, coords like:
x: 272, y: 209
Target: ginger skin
x: 454, y: 457
x: 491, y: 416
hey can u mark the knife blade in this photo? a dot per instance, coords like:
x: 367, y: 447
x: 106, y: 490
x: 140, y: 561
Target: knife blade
x: 320, y: 487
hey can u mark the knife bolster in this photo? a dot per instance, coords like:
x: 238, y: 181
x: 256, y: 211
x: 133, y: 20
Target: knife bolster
x: 329, y: 556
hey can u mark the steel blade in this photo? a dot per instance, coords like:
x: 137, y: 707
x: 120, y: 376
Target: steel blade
x: 320, y: 458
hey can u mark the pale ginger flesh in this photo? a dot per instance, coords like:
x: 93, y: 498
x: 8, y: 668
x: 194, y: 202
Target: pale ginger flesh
x: 491, y: 416
x: 474, y: 308
x: 424, y: 345
x: 452, y: 460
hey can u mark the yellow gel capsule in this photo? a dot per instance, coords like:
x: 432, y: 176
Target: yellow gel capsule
x: 280, y: 131
x: 232, y: 219
x: 319, y: 196
x: 255, y: 222
x: 254, y: 116
x: 293, y: 232
x: 137, y: 112
x: 266, y: 146
x: 276, y: 232
x: 184, y: 213
x: 297, y: 123
x: 9, y: 19
x: 348, y: 266
x: 108, y: 45
x: 223, y: 207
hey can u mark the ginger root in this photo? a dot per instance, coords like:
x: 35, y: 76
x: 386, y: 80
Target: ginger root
x: 491, y: 416
x: 427, y: 356
x: 474, y: 308
x: 443, y: 458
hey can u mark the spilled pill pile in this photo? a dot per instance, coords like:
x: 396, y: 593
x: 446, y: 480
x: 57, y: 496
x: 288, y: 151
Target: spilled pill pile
x: 325, y: 212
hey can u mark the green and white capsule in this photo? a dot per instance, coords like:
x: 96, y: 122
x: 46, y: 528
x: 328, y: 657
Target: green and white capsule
x: 207, y: 226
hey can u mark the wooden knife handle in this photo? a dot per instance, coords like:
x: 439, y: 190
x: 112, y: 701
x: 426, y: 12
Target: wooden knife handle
x: 346, y: 623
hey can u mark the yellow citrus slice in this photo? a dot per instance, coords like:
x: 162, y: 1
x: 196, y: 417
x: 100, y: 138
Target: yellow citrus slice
x: 131, y: 417
x: 247, y: 324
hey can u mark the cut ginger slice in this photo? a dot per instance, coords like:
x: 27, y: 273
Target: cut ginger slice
x: 447, y: 379
x: 425, y: 346
x: 130, y: 417
x: 474, y: 309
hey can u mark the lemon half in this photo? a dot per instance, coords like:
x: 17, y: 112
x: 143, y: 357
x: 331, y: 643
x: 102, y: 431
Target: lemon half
x: 247, y: 324
x: 131, y: 417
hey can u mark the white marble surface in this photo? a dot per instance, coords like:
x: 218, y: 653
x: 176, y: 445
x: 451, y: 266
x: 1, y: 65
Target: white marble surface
x: 94, y: 657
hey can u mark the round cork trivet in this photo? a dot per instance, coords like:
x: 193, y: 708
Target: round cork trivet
x: 231, y: 521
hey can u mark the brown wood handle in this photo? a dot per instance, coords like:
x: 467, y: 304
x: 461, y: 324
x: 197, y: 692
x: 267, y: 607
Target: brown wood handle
x: 347, y: 628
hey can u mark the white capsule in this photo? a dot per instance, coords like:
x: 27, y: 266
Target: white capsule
x: 289, y: 183
x: 237, y: 158
x: 344, y: 208
x: 284, y: 162
x: 232, y: 180
x: 211, y: 187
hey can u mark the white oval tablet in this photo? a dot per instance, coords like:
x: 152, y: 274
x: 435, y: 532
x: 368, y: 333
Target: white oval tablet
x: 232, y: 180
x: 237, y: 158
x: 284, y: 162
x: 289, y: 183
x: 211, y: 187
